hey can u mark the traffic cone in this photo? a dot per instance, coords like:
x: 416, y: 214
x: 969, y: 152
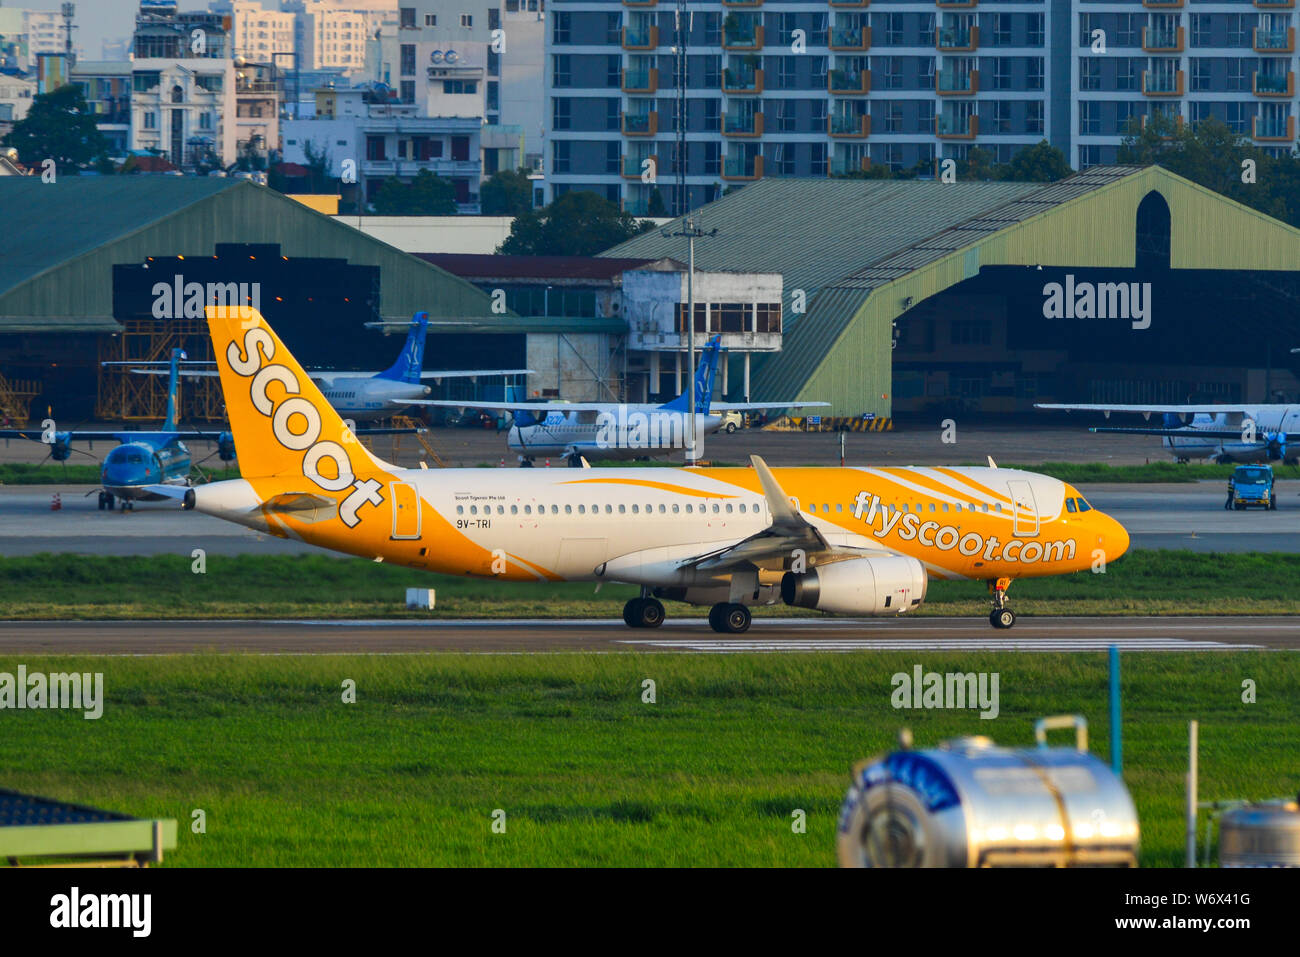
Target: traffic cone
x: 56, y: 504
x: 548, y: 463
x: 503, y: 462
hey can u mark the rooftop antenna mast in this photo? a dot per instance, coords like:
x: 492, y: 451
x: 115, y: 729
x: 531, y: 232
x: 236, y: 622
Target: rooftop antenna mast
x: 69, y: 11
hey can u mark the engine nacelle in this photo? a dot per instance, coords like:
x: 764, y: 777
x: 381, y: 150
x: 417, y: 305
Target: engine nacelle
x: 879, y: 585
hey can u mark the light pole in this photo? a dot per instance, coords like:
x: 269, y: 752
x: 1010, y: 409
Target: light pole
x: 691, y: 230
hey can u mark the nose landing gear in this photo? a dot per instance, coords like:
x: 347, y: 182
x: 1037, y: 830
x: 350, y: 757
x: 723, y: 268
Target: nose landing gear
x: 1001, y: 616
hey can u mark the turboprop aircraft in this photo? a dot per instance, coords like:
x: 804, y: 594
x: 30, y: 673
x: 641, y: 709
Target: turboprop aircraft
x: 848, y: 541
x: 1223, y: 433
x: 611, y: 430
x: 366, y: 396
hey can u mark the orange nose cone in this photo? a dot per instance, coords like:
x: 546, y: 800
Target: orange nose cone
x: 1114, y: 541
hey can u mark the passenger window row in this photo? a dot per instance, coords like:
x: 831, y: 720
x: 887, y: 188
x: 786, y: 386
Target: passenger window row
x: 689, y: 508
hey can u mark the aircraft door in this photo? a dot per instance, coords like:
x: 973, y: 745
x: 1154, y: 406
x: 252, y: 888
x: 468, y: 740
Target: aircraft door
x: 1024, y: 508
x: 406, y: 511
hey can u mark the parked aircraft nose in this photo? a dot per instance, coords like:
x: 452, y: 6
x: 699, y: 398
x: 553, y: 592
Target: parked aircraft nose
x: 1112, y: 538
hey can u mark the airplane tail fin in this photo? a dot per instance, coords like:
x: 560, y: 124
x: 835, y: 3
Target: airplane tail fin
x: 282, y: 424
x: 173, y: 382
x: 410, y: 363
x: 704, y: 376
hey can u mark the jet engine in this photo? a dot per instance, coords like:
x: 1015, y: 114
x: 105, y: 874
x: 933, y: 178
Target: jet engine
x: 878, y: 585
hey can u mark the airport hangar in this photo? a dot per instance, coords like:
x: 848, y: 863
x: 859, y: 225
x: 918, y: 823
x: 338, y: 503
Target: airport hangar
x: 924, y: 296
x: 80, y: 259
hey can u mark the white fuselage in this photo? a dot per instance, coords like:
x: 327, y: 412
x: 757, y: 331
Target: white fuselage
x: 364, y: 398
x: 1267, y: 419
x: 625, y: 432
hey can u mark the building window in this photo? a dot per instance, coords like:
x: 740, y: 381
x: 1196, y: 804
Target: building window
x: 1002, y: 30
x: 1034, y: 116
x: 375, y: 148
x: 1089, y: 73
x: 1089, y: 118
x: 613, y: 29
x: 1034, y: 73
x: 150, y: 121
x: 1034, y: 29
x: 971, y: 332
x: 430, y: 19
x: 459, y: 87
x: 407, y: 18
x: 561, y: 161
x: 408, y: 91
x: 561, y: 27
x: 467, y: 20
x: 1201, y: 30
x: 561, y: 71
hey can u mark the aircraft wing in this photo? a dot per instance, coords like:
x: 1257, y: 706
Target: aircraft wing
x: 789, y: 530
x: 467, y: 373
x: 1144, y: 409
x: 1261, y: 435
x: 742, y: 406
x: 512, y: 406
x: 82, y: 435
x: 182, y: 372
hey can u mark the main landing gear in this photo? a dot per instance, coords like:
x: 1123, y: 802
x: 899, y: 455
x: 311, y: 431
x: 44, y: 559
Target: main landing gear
x: 1001, y: 616
x: 106, y: 501
x: 644, y: 612
x: 729, y: 618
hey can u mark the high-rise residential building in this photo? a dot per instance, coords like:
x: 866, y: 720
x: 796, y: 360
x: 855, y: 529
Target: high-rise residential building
x: 784, y: 88
x: 330, y: 37
x: 1186, y: 60
x: 25, y: 34
x: 259, y: 34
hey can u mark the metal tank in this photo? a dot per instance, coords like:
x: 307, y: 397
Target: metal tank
x: 1260, y: 835
x: 970, y: 803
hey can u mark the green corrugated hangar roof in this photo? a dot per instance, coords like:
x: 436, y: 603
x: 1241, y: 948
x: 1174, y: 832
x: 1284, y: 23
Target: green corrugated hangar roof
x: 843, y: 241
x: 62, y: 240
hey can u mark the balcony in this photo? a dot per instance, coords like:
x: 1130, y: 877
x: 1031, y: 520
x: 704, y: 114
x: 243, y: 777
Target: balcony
x: 956, y: 127
x: 1162, y: 4
x: 848, y: 82
x: 1272, y: 131
x: 955, y: 4
x: 1265, y: 84
x: 956, y: 82
x: 746, y: 37
x: 742, y: 168
x: 751, y: 125
x: 639, y: 3
x: 741, y: 82
x: 742, y: 3
x: 850, y: 39
x: 1273, y: 41
x: 957, y: 39
x: 640, y: 81
x: 641, y: 38
x: 856, y: 126
x: 640, y: 124
x: 1163, y: 41
x: 849, y: 3
x: 837, y: 165
x: 634, y: 167
x: 1275, y: 4
x: 1167, y: 84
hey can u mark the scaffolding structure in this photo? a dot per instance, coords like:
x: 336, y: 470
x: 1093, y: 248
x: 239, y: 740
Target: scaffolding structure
x: 126, y: 396
x: 400, y: 442
x: 16, y: 399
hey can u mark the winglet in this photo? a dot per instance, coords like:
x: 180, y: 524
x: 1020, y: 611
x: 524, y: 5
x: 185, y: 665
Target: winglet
x: 992, y: 464
x: 783, y: 510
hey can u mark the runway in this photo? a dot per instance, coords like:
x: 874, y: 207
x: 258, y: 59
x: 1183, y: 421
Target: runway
x: 1171, y: 515
x: 768, y: 635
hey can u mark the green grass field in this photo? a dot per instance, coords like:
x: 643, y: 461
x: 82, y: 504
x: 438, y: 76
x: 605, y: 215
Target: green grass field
x: 587, y: 773
x: 320, y: 586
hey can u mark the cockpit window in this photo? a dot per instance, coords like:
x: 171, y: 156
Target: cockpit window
x: 1083, y: 505
x: 1070, y: 506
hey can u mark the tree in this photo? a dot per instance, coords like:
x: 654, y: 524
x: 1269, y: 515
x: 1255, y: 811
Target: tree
x: 59, y: 127
x: 1040, y: 163
x: 980, y: 165
x: 426, y: 195
x: 656, y: 207
x: 506, y: 193
x: 579, y: 223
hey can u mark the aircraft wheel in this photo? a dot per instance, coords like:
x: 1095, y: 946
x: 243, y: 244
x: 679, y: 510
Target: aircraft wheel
x: 1002, y: 618
x: 631, y: 611
x: 729, y: 619
x: 526, y: 464
x: 101, y: 501
x: 109, y: 500
x: 575, y: 461
x: 731, y: 427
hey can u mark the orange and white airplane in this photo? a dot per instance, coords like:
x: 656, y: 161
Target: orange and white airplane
x: 849, y: 541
